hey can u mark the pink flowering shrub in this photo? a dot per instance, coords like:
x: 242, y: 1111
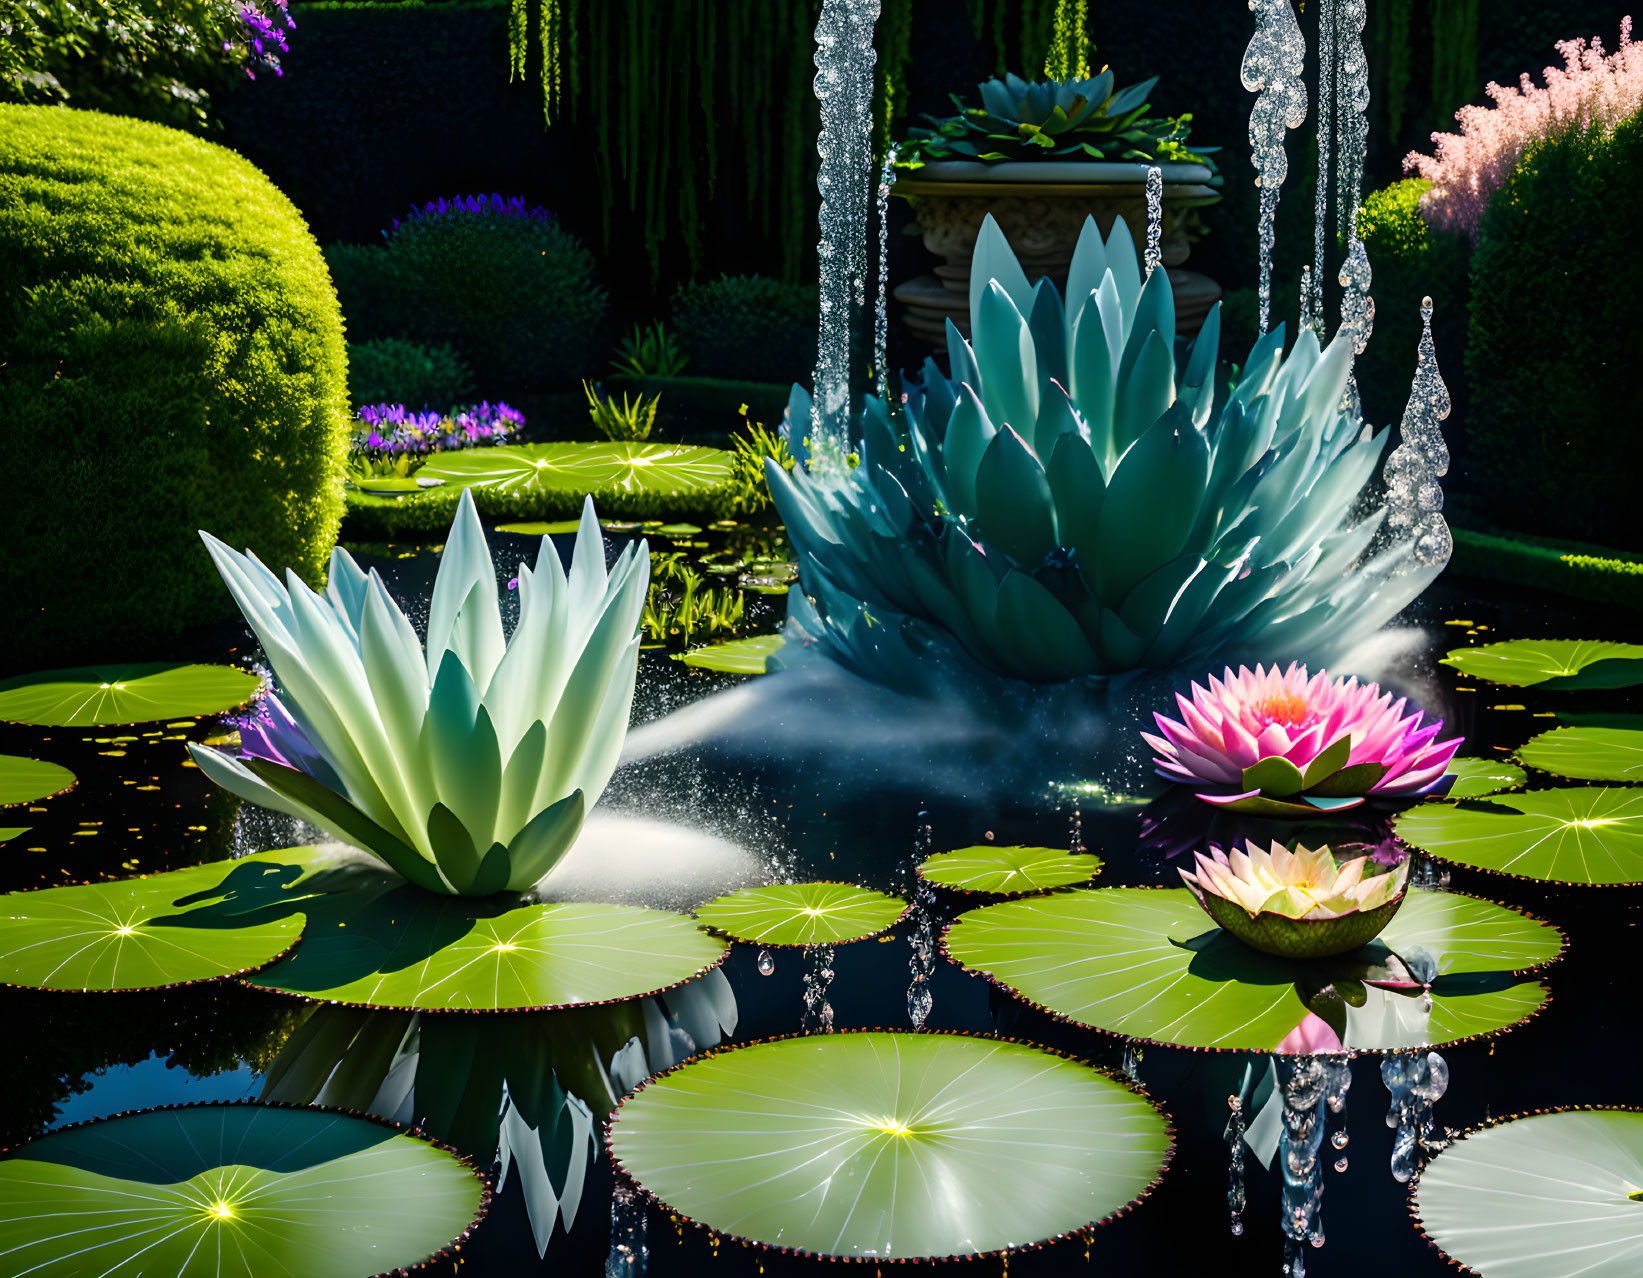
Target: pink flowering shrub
x: 1591, y: 90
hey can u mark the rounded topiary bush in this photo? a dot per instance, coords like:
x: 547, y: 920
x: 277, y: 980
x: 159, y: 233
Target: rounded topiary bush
x: 171, y: 359
x: 1551, y: 354
x: 513, y: 292
x: 1410, y: 260
x: 747, y: 328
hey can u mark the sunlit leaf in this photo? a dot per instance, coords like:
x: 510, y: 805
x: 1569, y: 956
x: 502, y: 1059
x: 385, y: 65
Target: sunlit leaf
x: 225, y: 1191
x: 1474, y: 778
x: 25, y: 780
x: 1545, y: 1196
x: 1552, y: 663
x: 1148, y: 963
x: 1582, y: 834
x: 96, y: 695
x: 663, y: 470
x: 1590, y: 754
x: 802, y: 913
x: 735, y: 656
x: 146, y: 933
x: 891, y: 1146
x: 1009, y: 871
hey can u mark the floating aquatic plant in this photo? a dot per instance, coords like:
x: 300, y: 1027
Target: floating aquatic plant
x: 25, y: 780
x: 1587, y: 834
x: 887, y: 1147
x: 802, y: 913
x: 467, y: 768
x: 1298, y: 904
x: 1071, y: 501
x: 127, y: 693
x: 1146, y: 964
x: 1273, y: 743
x: 1560, y: 664
x: 1579, y: 1221
x: 1008, y: 871
x: 234, y: 1191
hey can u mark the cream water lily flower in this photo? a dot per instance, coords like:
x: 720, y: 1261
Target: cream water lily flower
x: 1299, y: 904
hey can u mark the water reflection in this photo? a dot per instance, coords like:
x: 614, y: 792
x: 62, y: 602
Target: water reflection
x: 526, y: 1091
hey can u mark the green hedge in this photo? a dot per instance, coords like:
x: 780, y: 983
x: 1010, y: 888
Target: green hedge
x: 1605, y: 577
x: 393, y: 371
x: 747, y: 328
x: 515, y: 296
x: 171, y: 359
x: 1411, y: 261
x: 1552, y: 352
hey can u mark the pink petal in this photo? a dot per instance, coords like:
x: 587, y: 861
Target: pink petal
x: 1311, y: 1036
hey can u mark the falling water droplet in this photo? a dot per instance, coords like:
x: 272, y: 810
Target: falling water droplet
x: 1155, y: 218
x: 1340, y: 1164
x: 767, y: 964
x: 1339, y: 1140
x: 1414, y: 495
x: 1272, y: 68
x: 881, y: 306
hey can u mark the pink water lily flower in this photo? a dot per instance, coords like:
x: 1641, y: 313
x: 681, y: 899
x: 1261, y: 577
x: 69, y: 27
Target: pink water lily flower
x: 1292, y: 744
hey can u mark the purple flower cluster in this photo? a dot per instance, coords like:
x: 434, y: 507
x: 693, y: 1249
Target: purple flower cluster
x: 482, y: 205
x: 262, y: 36
x: 388, y: 430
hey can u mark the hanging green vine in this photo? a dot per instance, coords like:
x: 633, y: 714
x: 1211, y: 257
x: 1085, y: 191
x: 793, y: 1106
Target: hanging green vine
x: 1389, y: 49
x: 1454, y: 55
x: 1069, y: 54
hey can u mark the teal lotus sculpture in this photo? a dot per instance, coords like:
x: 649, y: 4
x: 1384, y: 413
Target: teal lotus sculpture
x: 1075, y: 499
x: 468, y: 767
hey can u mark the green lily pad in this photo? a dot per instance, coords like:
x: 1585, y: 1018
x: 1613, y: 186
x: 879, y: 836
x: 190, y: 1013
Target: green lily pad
x: 540, y: 528
x: 146, y: 933
x: 1552, y: 1195
x: 1552, y: 663
x: 1147, y: 963
x: 1583, y: 834
x: 1474, y: 778
x: 678, y: 530
x: 408, y: 949
x: 1590, y: 754
x: 1601, y: 719
x: 25, y: 780
x: 221, y: 1191
x: 802, y: 913
x: 735, y: 656
x: 96, y: 695
x: 1009, y: 871
x: 10, y: 832
x: 671, y: 470
x: 871, y: 1145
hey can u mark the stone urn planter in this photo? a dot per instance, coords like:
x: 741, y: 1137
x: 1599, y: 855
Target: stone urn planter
x: 1041, y: 207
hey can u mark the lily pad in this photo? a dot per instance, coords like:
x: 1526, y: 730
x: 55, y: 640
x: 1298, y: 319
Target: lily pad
x: 409, y: 949
x: 735, y: 656
x: 25, y: 780
x: 1553, y: 1195
x: 663, y: 470
x: 1147, y: 963
x: 882, y: 1146
x: 93, y: 696
x: 220, y: 1191
x: 1552, y: 663
x: 10, y: 832
x: 1009, y: 871
x: 1474, y: 778
x: 802, y: 913
x: 1590, y: 754
x: 1583, y: 834
x: 541, y: 528
x: 146, y: 933
x: 678, y: 530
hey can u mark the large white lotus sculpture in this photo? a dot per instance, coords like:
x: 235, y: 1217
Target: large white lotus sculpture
x: 468, y: 768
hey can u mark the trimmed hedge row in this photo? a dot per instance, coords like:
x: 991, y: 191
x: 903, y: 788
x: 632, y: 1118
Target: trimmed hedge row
x: 1551, y: 353
x: 1605, y: 578
x: 171, y: 358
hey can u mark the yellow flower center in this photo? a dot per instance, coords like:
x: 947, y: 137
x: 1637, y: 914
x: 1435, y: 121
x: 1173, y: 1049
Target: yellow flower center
x: 1288, y: 708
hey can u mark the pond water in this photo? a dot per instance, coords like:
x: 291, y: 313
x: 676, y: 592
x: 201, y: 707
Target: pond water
x: 862, y: 810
